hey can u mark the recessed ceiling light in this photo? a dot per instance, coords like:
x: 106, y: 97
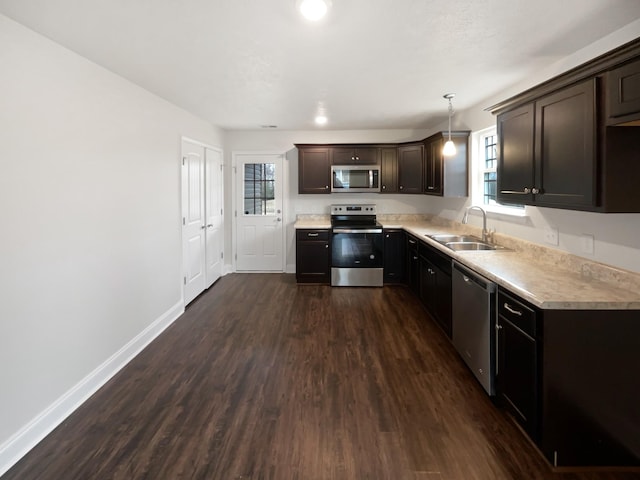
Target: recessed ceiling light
x: 321, y: 120
x: 314, y: 10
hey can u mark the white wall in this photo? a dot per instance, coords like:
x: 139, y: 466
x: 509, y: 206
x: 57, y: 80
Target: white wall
x: 90, y: 215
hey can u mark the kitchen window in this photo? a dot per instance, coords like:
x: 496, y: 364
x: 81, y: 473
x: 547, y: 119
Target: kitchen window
x: 485, y: 174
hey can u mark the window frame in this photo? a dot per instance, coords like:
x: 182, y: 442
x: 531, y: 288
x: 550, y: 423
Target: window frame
x: 478, y: 169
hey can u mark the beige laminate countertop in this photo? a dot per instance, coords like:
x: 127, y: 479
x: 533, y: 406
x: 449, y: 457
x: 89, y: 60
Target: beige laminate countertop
x: 529, y: 274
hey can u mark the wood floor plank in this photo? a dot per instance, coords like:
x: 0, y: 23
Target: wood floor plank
x: 265, y: 379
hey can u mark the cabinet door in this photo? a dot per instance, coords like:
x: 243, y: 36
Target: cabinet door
x: 517, y: 373
x: 410, y: 168
x: 428, y: 285
x: 515, y: 155
x: 355, y: 156
x: 433, y: 184
x: 313, y: 256
x: 314, y: 170
x: 565, y: 151
x: 623, y: 93
x: 516, y: 377
x: 394, y: 256
x: 389, y: 170
x: 444, y: 301
x: 413, y: 265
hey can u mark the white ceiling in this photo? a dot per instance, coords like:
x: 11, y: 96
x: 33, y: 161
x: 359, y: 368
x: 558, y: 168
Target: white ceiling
x: 373, y: 64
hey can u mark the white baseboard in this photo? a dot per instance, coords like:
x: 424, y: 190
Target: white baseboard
x: 31, y: 434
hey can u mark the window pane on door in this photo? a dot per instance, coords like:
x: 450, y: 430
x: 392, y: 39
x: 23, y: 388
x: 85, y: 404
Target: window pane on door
x: 259, y: 188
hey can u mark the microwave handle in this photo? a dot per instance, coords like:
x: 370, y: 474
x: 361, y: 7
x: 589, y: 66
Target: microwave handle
x: 370, y: 178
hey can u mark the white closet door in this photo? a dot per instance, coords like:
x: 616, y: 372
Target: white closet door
x: 193, y: 220
x: 214, y: 182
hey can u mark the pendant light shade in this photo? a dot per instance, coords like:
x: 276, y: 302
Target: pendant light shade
x: 449, y: 147
x: 313, y: 10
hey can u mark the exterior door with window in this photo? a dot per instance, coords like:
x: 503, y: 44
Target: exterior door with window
x: 259, y: 226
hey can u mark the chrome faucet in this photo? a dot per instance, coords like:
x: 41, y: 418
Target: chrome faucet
x: 465, y: 219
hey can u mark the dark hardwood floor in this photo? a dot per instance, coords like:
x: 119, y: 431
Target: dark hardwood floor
x: 264, y: 379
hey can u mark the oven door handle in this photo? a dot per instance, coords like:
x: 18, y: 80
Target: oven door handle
x: 357, y: 230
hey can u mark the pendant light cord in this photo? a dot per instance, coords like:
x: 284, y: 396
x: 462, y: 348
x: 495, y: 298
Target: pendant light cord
x: 450, y: 114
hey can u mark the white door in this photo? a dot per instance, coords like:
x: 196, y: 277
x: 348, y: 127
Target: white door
x: 213, y: 209
x: 259, y: 230
x: 193, y: 220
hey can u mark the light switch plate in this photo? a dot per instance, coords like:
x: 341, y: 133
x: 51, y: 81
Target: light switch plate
x: 587, y: 243
x: 551, y: 235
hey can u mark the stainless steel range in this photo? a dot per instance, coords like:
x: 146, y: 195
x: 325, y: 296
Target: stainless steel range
x: 356, y: 246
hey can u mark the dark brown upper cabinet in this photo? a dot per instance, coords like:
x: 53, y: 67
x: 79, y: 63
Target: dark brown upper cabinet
x: 314, y: 169
x: 623, y: 94
x: 515, y: 155
x: 410, y: 159
x: 547, y: 150
x: 560, y: 144
x: 389, y: 170
x: 360, y: 155
x: 447, y: 176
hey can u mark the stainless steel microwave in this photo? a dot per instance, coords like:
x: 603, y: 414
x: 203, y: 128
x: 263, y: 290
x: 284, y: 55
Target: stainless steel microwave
x: 355, y: 178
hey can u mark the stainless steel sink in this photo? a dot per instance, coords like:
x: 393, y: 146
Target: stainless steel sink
x: 464, y: 242
x: 457, y: 246
x: 447, y: 237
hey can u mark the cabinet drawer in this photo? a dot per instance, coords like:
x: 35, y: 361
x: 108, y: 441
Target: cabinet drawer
x: 302, y: 235
x: 517, y: 313
x: 412, y: 244
x: 443, y: 262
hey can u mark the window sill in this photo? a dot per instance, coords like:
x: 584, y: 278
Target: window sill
x: 508, y: 211
x: 514, y: 215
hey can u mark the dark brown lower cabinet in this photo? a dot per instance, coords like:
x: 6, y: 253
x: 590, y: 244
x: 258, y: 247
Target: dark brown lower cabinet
x: 435, y: 285
x: 313, y: 256
x: 570, y: 379
x: 517, y: 372
x: 394, y: 256
x: 412, y: 266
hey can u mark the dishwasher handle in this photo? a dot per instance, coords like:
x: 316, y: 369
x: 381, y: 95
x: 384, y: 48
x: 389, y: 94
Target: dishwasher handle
x: 472, y: 278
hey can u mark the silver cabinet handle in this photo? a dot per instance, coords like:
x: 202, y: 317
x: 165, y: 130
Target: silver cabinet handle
x: 384, y: 187
x: 535, y: 191
x: 412, y: 242
x: 401, y: 187
x: 312, y: 234
x: 510, y: 308
x: 431, y: 188
x: 527, y: 190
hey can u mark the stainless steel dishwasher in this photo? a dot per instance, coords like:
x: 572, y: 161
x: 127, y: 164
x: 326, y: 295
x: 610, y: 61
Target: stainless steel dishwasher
x: 473, y: 323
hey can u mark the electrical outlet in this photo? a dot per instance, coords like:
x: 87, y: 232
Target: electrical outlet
x: 587, y: 243
x: 551, y: 235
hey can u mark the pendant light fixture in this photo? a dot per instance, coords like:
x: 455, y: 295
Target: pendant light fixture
x: 449, y: 147
x: 313, y: 10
